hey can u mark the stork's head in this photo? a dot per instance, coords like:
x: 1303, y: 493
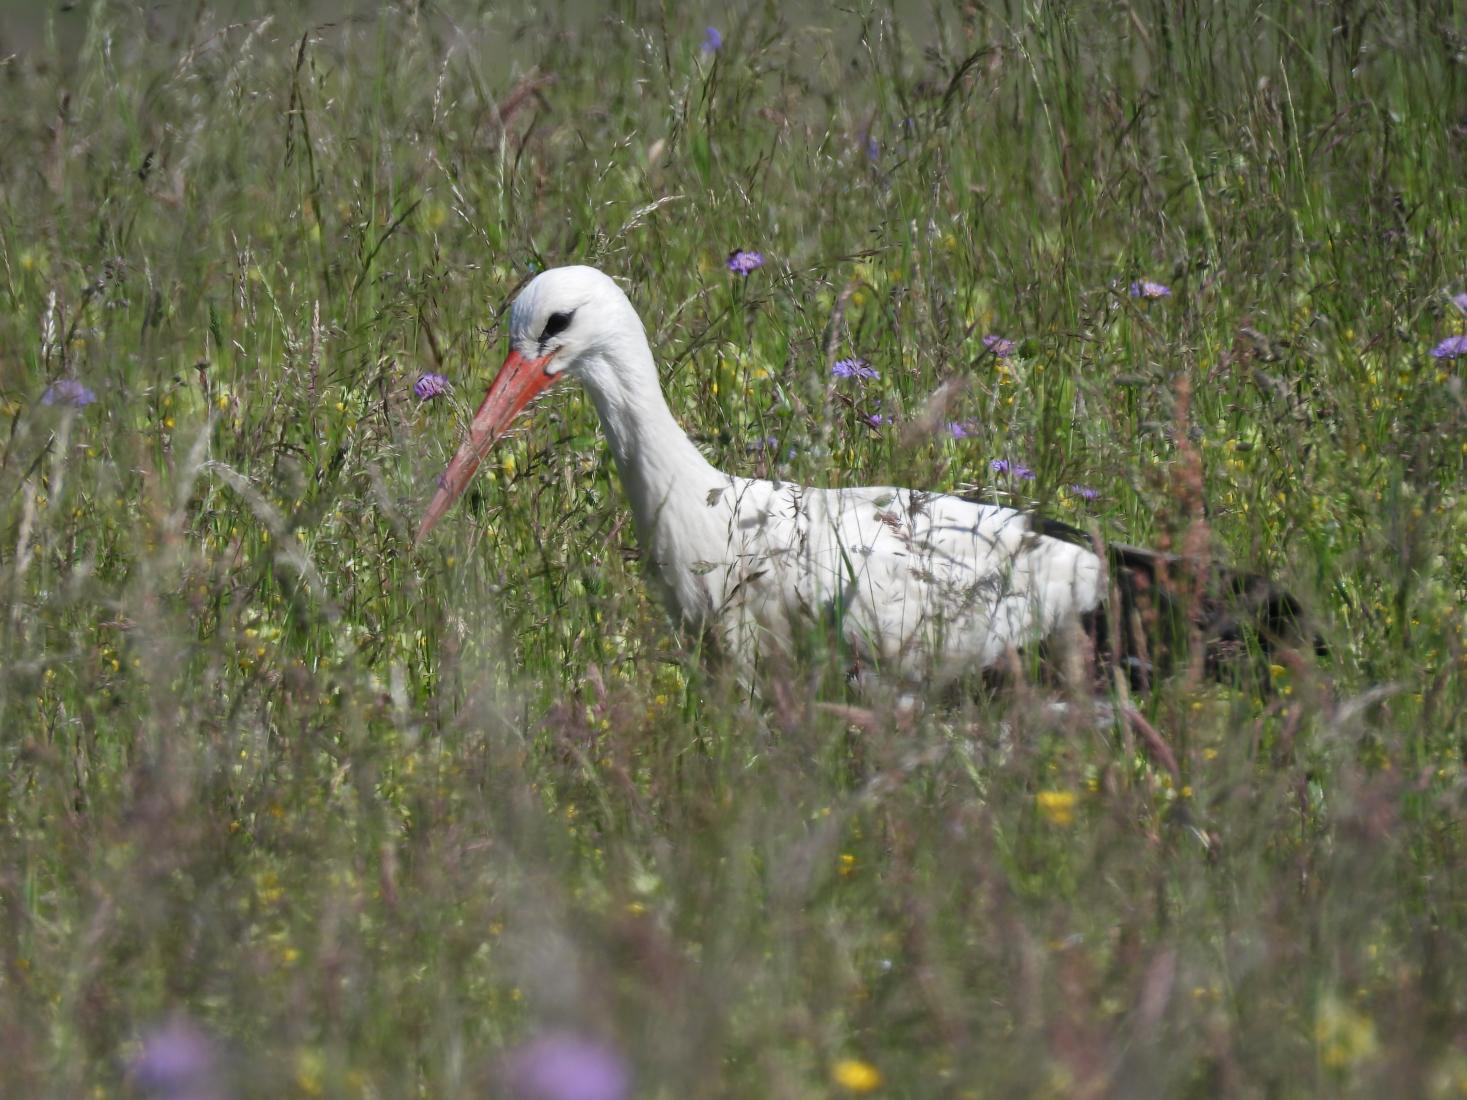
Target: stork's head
x: 568, y: 322
x: 573, y: 319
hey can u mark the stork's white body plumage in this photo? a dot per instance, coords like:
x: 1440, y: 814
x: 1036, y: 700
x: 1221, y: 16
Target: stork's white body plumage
x: 923, y: 586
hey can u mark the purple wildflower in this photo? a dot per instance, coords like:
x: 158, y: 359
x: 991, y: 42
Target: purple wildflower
x: 1150, y: 291
x: 999, y: 346
x: 1017, y: 469
x: 563, y: 1066
x: 1084, y: 492
x: 960, y: 431
x: 873, y: 149
x: 430, y: 385
x: 68, y: 391
x: 177, y: 1062
x: 769, y: 446
x: 1460, y: 301
x: 877, y: 420
x: 741, y: 262
x: 1453, y: 347
x: 712, y: 40
x: 854, y: 367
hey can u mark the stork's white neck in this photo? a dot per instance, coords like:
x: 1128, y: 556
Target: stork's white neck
x: 681, y: 519
x: 666, y: 477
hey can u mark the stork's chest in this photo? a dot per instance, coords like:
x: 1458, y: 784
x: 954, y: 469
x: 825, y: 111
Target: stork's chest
x: 719, y: 561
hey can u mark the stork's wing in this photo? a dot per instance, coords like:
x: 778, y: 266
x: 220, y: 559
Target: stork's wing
x: 923, y: 584
x: 930, y: 586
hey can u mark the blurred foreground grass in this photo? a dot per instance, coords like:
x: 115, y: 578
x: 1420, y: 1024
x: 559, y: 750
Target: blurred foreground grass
x: 372, y: 816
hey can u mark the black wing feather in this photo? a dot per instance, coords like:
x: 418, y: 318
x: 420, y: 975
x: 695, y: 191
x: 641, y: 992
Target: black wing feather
x: 1163, y: 611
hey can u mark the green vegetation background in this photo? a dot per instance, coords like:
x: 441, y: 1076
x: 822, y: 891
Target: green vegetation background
x: 373, y: 815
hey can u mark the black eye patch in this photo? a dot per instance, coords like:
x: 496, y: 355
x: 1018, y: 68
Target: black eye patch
x: 557, y: 323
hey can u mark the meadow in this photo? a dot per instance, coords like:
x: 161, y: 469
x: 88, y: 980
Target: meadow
x: 342, y: 817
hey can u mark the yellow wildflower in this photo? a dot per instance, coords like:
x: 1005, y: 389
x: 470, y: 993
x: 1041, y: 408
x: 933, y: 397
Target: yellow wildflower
x: 309, y: 1070
x: 1344, y: 1036
x: 1057, y: 806
x: 854, y: 1075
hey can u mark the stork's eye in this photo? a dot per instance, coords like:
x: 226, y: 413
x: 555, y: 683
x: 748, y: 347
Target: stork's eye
x: 557, y: 324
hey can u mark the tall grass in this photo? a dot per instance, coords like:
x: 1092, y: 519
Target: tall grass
x: 371, y: 816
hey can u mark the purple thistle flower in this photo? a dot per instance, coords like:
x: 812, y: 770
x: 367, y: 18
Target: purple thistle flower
x: 712, y: 40
x: 1453, y: 347
x: 563, y: 1066
x: 1150, y: 291
x: 68, y: 391
x: 741, y: 262
x: 1017, y: 469
x: 1084, y: 492
x: 999, y: 346
x: 1460, y: 301
x: 430, y: 385
x: 854, y: 367
x: 177, y: 1061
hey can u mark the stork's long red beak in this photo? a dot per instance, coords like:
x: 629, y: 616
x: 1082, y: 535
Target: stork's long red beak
x: 514, y: 387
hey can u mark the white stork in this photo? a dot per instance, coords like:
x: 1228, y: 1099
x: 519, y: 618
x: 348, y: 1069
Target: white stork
x: 922, y: 586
